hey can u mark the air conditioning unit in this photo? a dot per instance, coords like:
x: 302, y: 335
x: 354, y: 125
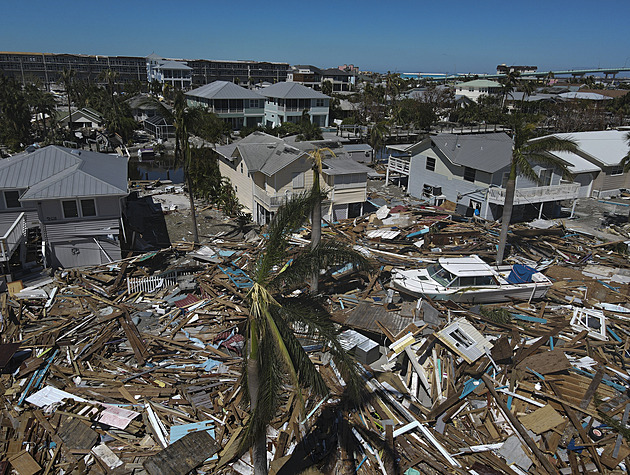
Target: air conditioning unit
x: 437, y: 190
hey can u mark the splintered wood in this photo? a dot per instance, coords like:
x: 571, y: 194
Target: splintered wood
x: 135, y: 367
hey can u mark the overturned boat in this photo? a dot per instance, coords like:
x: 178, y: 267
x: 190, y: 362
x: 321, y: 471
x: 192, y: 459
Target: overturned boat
x: 471, y: 280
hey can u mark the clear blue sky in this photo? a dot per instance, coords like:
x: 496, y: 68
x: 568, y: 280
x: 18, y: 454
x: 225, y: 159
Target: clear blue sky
x: 401, y: 36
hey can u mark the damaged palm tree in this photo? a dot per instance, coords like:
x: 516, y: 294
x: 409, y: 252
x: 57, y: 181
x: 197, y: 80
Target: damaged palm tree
x: 274, y: 357
x: 527, y: 150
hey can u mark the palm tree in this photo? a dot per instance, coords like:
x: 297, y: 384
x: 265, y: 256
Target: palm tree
x: 273, y: 354
x: 509, y: 83
x: 527, y: 150
x: 377, y: 136
x: 317, y: 157
x: 67, y: 77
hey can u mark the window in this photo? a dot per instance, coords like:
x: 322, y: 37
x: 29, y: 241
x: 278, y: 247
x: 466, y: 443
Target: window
x: 241, y: 167
x: 319, y: 103
x: 545, y: 176
x: 298, y: 180
x: 70, y: 209
x: 12, y: 199
x: 88, y: 208
x: 469, y: 174
x: 616, y: 171
x: 431, y: 164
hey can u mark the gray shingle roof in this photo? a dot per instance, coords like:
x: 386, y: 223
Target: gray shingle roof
x: 292, y: 90
x: 57, y: 172
x: 343, y: 166
x: 262, y: 152
x: 485, y: 152
x: 223, y: 90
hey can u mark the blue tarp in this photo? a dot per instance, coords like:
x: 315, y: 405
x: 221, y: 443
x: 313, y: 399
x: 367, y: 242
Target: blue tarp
x: 521, y: 274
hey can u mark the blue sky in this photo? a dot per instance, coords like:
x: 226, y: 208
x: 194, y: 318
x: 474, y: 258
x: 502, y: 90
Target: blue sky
x: 401, y: 36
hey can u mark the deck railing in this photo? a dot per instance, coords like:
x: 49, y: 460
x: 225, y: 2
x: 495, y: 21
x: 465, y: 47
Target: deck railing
x: 539, y: 194
x: 12, y: 238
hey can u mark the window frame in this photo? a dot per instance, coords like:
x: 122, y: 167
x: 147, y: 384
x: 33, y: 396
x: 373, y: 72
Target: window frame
x: 432, y: 167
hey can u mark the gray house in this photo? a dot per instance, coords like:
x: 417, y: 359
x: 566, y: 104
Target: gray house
x: 472, y: 171
x: 73, y: 197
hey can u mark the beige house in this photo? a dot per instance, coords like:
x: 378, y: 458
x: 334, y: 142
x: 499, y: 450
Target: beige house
x: 265, y: 171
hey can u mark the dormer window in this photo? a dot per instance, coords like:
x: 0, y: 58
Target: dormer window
x: 12, y: 199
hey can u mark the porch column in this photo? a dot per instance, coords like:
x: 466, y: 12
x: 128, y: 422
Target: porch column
x: 573, y: 207
x: 540, y: 211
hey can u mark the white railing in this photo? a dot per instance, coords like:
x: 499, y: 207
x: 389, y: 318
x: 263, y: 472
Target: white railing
x: 12, y: 238
x: 539, y: 194
x: 272, y: 201
x: 150, y: 284
x: 398, y: 165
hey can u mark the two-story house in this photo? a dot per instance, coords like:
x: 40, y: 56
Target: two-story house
x: 286, y: 102
x: 236, y: 105
x: 472, y: 171
x: 167, y: 71
x: 306, y: 75
x: 265, y: 171
x: 479, y: 87
x: 73, y: 197
x: 599, y: 161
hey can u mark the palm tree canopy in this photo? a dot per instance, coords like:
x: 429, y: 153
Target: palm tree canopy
x: 273, y: 347
x: 530, y: 150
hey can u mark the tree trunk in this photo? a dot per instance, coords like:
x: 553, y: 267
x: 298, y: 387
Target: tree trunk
x: 316, y: 236
x: 508, y: 205
x: 259, y: 448
x: 193, y: 214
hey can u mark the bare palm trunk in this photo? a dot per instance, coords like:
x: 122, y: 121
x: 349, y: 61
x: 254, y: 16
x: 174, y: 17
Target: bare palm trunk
x: 316, y: 236
x: 259, y: 448
x: 508, y: 205
x: 193, y: 214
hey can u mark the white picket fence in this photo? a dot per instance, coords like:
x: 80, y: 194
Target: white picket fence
x: 150, y: 284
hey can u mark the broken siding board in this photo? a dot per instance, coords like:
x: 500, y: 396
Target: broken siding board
x: 465, y: 340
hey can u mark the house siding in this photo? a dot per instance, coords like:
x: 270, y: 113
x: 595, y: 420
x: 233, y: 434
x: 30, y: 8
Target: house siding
x: 240, y: 181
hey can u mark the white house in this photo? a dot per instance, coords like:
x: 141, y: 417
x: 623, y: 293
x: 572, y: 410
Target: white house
x: 472, y: 171
x: 286, y: 102
x: 166, y: 71
x: 477, y: 88
x: 266, y: 170
x: 598, y: 162
x: 73, y: 197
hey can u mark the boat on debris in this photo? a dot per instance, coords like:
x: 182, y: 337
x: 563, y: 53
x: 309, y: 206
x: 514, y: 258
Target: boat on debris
x: 471, y: 280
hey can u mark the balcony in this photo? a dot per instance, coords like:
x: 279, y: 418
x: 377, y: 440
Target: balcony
x: 398, y: 165
x: 539, y: 194
x: 13, y: 232
x: 274, y: 201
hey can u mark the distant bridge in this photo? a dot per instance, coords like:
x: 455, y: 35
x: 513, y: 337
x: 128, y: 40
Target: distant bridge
x: 567, y: 72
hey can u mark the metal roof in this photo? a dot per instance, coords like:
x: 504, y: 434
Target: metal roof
x: 341, y: 166
x: 576, y: 163
x: 607, y: 147
x: 292, y: 90
x: 224, y: 90
x: 58, y: 172
x: 479, y: 83
x: 173, y: 65
x: 486, y: 152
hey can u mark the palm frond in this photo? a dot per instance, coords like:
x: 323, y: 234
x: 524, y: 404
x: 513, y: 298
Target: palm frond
x: 327, y: 253
x: 307, y: 372
x: 315, y: 321
x: 289, y: 218
x: 551, y: 144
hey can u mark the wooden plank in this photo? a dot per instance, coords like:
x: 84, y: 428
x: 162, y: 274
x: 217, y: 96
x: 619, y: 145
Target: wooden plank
x: 183, y: 455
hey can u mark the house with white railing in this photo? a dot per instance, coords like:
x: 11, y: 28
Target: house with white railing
x: 265, y: 171
x: 287, y: 101
x: 72, y: 198
x: 472, y: 171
